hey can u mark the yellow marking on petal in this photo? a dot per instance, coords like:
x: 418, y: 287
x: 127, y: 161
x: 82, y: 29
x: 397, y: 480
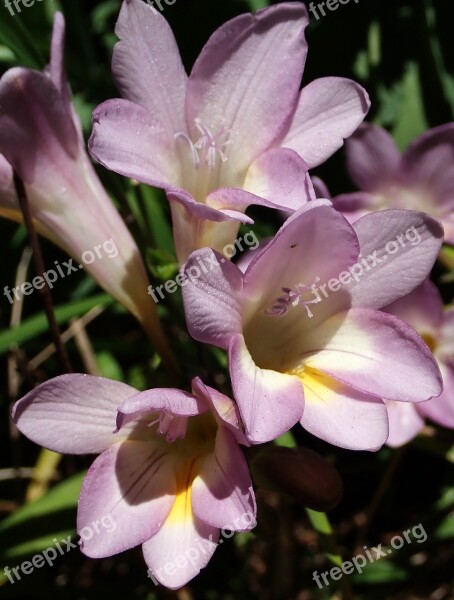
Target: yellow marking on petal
x: 318, y: 387
x: 430, y: 341
x: 182, y: 507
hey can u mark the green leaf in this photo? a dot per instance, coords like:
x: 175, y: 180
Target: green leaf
x: 257, y: 4
x: 15, y: 36
x: 108, y: 366
x: 286, y: 441
x: 412, y: 121
x: 32, y: 527
x: 38, y: 324
x: 446, y: 528
x: 321, y: 524
x: 161, y: 264
x: 158, y: 223
x: 381, y: 571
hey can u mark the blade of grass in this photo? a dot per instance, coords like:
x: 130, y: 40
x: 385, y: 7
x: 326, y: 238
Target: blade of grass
x: 33, y: 326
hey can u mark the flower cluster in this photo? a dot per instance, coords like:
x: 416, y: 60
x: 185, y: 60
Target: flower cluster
x: 237, y: 131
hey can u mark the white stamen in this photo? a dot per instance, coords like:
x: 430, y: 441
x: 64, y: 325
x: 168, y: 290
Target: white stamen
x: 292, y: 298
x: 195, y: 154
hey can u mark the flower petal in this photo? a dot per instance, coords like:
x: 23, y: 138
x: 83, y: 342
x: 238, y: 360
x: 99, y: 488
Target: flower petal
x: 213, y: 225
x: 222, y: 493
x: 329, y: 110
x: 127, y: 139
x: 9, y: 206
x: 372, y: 157
x: 400, y: 248
x: 441, y: 409
x: 422, y: 309
x: 270, y: 403
x: 375, y: 353
x: 404, y: 422
x: 212, y: 299
x: 341, y: 415
x: 225, y: 410
x: 72, y: 414
x: 181, y: 548
x: 166, y: 400
x: 132, y: 483
x: 57, y: 70
x: 300, y: 254
x: 280, y: 175
x: 147, y: 66
x: 246, y: 81
x: 356, y: 204
x: 428, y: 163
x: 34, y: 116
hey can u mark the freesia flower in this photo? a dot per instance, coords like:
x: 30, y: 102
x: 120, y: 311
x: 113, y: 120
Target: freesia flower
x: 304, y: 339
x: 422, y: 178
x: 171, y: 473
x: 423, y: 310
x: 237, y: 132
x: 41, y: 138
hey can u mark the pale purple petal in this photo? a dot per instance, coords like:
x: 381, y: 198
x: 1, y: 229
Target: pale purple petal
x: 34, y: 116
x: 212, y: 225
x: 448, y: 226
x: 445, y: 348
x: 147, y: 67
x: 372, y: 157
x: 132, y: 484
x: 422, y: 309
x: 320, y: 188
x: 73, y: 414
x: 212, y: 298
x: 222, y: 493
x: 375, y: 353
x: 398, y: 249
x: 225, y: 410
x: 356, y: 204
x: 329, y: 110
x: 294, y: 257
x: 270, y: 403
x: 280, y: 175
x: 157, y: 400
x: 441, y: 409
x: 57, y: 70
x: 9, y: 206
x: 341, y: 415
x: 246, y: 259
x: 129, y: 140
x: 180, y: 549
x: 246, y: 80
x: 404, y: 422
x: 428, y: 164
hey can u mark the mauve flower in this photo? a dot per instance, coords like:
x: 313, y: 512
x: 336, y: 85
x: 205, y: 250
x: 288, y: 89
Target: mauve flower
x: 171, y: 473
x: 423, y: 310
x: 41, y: 137
x: 326, y: 360
x: 237, y: 131
x: 422, y: 178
